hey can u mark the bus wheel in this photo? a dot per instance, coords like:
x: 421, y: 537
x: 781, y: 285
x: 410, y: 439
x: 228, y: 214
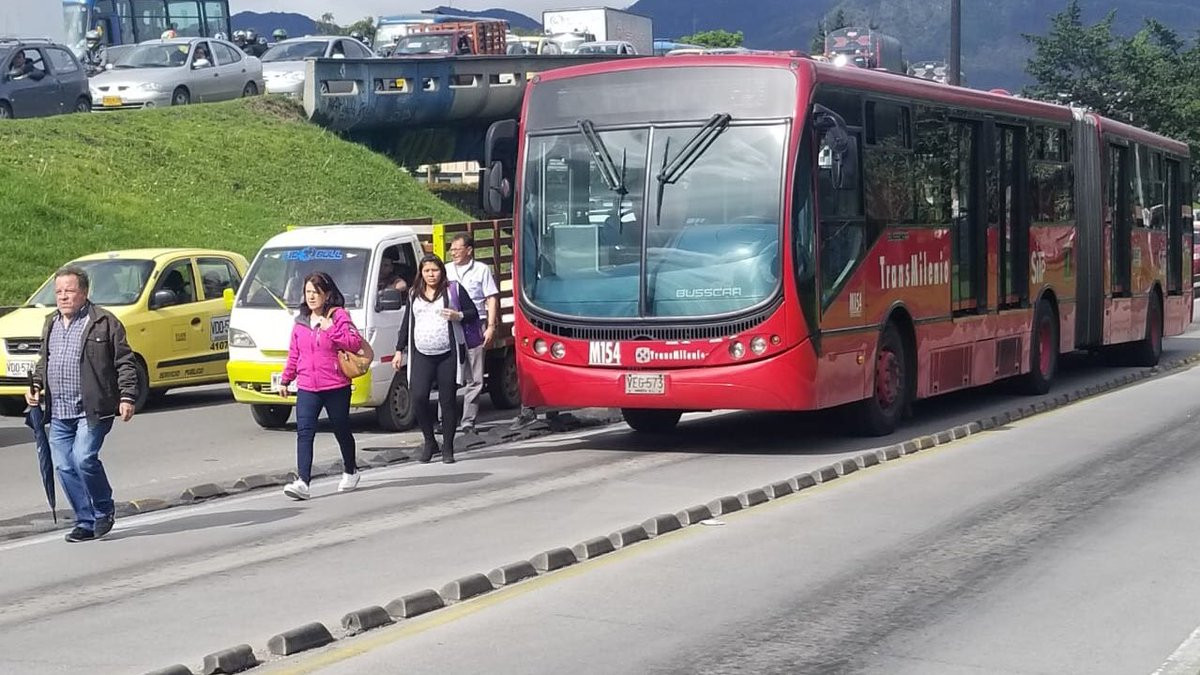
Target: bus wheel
x: 881, y: 413
x: 271, y: 416
x: 651, y: 421
x: 397, y: 412
x: 1146, y: 352
x: 502, y: 381
x: 1043, y: 351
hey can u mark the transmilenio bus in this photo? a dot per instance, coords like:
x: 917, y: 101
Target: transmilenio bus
x: 776, y: 233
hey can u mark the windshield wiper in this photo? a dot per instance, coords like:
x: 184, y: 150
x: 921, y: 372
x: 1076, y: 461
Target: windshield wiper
x: 604, y: 161
x: 695, y: 147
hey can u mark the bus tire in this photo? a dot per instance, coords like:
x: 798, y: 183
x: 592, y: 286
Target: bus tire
x: 397, y: 412
x: 880, y: 414
x: 502, y: 382
x: 651, y: 421
x: 1148, y: 350
x: 271, y: 416
x: 1043, y: 351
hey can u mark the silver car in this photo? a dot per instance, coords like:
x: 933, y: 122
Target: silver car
x: 283, y: 64
x: 177, y: 71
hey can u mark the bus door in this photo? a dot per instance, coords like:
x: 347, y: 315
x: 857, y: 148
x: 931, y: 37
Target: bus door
x: 1175, y: 227
x: 1009, y: 216
x: 969, y: 245
x: 1119, y: 219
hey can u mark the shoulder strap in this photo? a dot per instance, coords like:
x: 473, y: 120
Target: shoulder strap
x: 452, y: 295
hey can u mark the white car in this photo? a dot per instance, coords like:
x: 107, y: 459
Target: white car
x: 606, y: 47
x: 283, y: 63
x: 176, y: 71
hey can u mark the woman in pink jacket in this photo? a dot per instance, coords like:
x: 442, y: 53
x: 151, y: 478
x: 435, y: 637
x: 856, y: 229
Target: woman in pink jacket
x: 322, y: 327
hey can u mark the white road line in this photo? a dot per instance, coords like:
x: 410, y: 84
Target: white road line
x: 1185, y: 660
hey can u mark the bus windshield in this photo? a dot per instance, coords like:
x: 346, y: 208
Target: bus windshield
x: 277, y: 278
x: 704, y: 240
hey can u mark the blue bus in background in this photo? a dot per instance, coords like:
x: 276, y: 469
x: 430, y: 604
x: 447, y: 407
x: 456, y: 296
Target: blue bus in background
x: 131, y: 21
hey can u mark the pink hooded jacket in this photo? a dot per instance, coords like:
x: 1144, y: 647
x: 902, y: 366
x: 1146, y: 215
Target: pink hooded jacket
x: 312, y: 354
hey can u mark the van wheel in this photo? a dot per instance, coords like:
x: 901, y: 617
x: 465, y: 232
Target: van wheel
x: 651, y: 421
x: 502, y: 382
x: 143, y: 386
x: 11, y: 406
x: 881, y: 413
x: 271, y: 416
x: 1043, y: 351
x: 397, y: 412
x: 1148, y: 350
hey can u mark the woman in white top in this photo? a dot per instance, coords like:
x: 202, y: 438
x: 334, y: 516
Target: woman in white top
x: 431, y: 345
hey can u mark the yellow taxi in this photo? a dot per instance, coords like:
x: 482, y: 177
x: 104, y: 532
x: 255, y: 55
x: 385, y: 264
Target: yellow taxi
x: 170, y: 301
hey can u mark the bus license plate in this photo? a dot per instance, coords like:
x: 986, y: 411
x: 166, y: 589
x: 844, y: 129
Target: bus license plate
x: 111, y: 101
x: 640, y: 383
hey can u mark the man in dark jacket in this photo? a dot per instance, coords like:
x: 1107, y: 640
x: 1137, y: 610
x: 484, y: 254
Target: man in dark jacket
x: 86, y: 375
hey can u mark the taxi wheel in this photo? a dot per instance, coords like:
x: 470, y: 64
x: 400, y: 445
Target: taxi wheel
x: 143, y: 387
x: 11, y: 406
x: 271, y: 416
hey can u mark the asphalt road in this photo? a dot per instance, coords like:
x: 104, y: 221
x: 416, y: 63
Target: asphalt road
x: 1064, y: 543
x: 172, y: 586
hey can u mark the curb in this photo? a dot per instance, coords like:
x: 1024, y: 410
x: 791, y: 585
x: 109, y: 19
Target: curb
x: 422, y: 602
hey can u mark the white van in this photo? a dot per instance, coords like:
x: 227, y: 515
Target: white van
x: 263, y: 311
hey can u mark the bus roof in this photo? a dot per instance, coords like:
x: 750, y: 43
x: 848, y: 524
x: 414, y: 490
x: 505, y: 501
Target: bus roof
x: 884, y: 82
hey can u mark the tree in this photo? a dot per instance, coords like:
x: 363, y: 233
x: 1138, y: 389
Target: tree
x: 714, y: 38
x: 827, y: 25
x: 365, y: 25
x: 327, y: 26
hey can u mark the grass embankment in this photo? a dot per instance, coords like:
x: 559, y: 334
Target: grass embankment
x: 227, y: 176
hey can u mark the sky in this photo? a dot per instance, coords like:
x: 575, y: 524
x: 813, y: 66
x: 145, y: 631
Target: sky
x: 349, y: 11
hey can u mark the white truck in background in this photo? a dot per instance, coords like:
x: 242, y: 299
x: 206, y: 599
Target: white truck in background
x: 569, y: 28
x: 32, y: 19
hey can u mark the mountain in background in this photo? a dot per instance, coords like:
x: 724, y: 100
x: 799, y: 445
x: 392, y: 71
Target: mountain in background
x: 296, y: 25
x: 994, y: 53
x: 514, y: 19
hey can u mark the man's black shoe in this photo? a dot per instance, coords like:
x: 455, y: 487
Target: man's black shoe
x: 80, y: 534
x: 104, y: 525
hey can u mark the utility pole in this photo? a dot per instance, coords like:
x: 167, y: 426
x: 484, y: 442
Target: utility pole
x: 955, y: 42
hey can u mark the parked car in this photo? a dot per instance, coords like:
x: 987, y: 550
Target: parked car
x: 41, y: 78
x: 283, y: 64
x: 606, y: 47
x: 171, y: 302
x: 177, y: 71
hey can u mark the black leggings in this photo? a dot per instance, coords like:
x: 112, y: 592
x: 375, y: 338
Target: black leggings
x: 425, y: 370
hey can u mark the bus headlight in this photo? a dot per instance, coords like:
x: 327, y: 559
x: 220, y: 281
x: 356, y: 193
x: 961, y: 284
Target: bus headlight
x: 737, y: 350
x: 240, y: 338
x: 540, y: 347
x: 758, y: 345
x: 557, y: 350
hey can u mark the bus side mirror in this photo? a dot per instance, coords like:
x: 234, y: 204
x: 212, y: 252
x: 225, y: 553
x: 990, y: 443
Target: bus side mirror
x: 227, y: 296
x: 499, y: 162
x: 843, y: 145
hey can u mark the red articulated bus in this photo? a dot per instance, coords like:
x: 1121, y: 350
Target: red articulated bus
x: 776, y: 233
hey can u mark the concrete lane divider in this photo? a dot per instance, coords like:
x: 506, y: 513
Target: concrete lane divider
x: 301, y: 639
x: 802, y: 481
x: 694, y: 514
x: 778, y: 489
x: 723, y: 505
x: 554, y: 559
x: 752, y: 498
x: 512, y: 573
x: 661, y: 524
x: 232, y: 660
x: 202, y: 491
x: 592, y: 548
x: 365, y: 619
x: 415, y: 604
x: 177, y: 669
x: 628, y: 536
x: 825, y: 474
x: 466, y: 587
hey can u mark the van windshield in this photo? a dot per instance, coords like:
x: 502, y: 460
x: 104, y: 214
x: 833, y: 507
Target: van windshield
x: 277, y: 277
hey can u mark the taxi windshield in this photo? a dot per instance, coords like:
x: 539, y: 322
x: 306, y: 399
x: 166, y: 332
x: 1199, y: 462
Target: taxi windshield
x: 277, y: 278
x: 112, y: 282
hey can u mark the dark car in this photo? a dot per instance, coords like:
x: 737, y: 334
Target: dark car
x: 40, y: 78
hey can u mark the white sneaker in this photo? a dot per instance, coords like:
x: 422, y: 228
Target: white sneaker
x: 348, y: 483
x: 297, y: 490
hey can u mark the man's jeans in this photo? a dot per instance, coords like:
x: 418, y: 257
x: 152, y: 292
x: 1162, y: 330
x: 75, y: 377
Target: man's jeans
x: 75, y: 447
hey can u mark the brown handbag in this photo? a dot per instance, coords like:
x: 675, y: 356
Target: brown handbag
x: 356, y: 364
